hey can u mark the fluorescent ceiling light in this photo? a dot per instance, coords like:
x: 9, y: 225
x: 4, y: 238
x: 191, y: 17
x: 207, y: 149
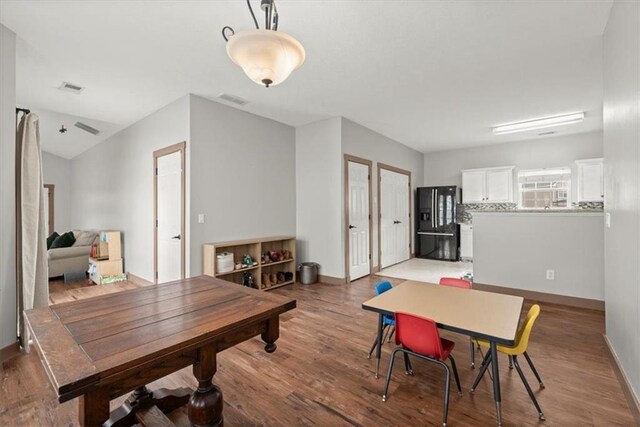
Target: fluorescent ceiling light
x: 565, y: 119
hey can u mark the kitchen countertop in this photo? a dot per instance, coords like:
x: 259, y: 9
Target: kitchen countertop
x: 468, y: 218
x: 540, y: 212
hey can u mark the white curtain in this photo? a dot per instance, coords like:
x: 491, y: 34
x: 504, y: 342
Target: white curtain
x: 33, y: 284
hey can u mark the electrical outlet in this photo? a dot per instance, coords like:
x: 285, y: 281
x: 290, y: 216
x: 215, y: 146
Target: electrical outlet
x: 200, y: 218
x: 551, y: 274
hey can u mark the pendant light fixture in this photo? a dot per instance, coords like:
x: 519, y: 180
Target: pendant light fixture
x: 267, y: 56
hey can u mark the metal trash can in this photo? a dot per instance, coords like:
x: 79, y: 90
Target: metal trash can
x: 308, y: 272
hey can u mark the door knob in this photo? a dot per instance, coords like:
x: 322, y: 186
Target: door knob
x: 352, y: 226
x: 176, y: 237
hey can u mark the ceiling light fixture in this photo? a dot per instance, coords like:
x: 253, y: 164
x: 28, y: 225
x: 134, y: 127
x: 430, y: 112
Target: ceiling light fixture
x: 546, y: 122
x: 267, y: 56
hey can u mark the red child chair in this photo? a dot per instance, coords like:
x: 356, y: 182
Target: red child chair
x: 418, y: 336
x: 465, y: 284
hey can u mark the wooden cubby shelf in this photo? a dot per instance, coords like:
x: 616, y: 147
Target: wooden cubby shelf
x: 255, y: 248
x: 269, y: 264
x: 237, y: 271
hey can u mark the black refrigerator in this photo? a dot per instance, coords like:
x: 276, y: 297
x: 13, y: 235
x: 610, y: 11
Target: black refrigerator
x: 438, y: 234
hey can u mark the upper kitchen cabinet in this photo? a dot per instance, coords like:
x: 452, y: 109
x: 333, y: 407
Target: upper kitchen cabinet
x: 590, y: 180
x: 488, y: 185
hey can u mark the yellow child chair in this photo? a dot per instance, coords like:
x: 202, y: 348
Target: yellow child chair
x: 520, y: 348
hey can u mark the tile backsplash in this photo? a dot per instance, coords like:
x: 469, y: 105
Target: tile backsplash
x: 588, y: 206
x: 464, y: 209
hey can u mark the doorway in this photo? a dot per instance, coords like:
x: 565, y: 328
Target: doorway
x: 49, y: 208
x: 169, y: 213
x: 394, y: 213
x: 357, y: 208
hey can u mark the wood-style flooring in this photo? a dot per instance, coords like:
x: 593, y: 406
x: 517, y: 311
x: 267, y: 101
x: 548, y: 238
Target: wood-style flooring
x: 320, y: 374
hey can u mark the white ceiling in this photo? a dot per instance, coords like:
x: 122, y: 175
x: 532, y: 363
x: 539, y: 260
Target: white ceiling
x: 74, y: 141
x: 433, y: 75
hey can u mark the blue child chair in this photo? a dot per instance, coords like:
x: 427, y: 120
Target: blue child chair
x: 388, y: 322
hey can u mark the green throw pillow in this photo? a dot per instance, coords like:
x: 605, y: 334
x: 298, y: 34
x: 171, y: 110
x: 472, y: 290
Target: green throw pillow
x: 64, y: 240
x: 51, y: 238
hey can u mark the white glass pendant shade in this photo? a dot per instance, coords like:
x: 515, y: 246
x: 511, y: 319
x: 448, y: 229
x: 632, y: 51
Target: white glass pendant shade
x: 267, y: 57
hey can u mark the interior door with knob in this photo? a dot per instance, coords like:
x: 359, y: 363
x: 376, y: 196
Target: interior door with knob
x: 169, y: 217
x: 403, y: 225
x: 394, y: 217
x: 358, y: 227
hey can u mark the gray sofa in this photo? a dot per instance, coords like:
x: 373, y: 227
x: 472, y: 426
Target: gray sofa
x: 74, y: 258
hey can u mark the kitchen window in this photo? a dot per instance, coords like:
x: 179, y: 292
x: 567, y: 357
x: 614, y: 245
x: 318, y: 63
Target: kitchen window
x: 545, y: 188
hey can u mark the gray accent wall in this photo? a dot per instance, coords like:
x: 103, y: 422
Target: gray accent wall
x: 112, y: 183
x: 242, y: 176
x: 622, y: 185
x: 319, y: 202
x: 320, y: 149
x: 57, y: 171
x: 515, y: 250
x: 7, y: 187
x: 361, y: 141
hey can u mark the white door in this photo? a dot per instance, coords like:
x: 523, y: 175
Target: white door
x: 473, y: 186
x: 403, y: 221
x: 395, y: 224
x: 499, y: 187
x: 169, y: 217
x: 359, y: 257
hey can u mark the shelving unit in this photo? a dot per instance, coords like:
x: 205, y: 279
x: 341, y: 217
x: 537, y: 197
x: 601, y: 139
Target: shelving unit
x: 255, y: 248
x: 107, y: 259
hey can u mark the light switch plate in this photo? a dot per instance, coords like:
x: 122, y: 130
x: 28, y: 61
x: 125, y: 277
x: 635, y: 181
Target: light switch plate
x: 200, y: 218
x: 607, y: 219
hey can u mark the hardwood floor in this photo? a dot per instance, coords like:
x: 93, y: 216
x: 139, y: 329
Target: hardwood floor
x: 320, y: 374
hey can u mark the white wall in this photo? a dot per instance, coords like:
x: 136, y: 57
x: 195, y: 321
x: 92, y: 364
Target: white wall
x: 57, y: 171
x: 112, y: 183
x: 515, y: 250
x: 7, y: 186
x: 242, y: 176
x: 622, y: 185
x: 360, y: 141
x: 319, y: 203
x: 443, y: 168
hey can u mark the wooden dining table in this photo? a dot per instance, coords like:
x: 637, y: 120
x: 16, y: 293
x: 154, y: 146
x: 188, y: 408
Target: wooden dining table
x: 486, y: 315
x: 100, y: 348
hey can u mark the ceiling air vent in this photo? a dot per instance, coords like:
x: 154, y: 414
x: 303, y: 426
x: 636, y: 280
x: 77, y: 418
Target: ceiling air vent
x: 87, y: 128
x: 547, y: 133
x: 70, y: 87
x: 233, y: 99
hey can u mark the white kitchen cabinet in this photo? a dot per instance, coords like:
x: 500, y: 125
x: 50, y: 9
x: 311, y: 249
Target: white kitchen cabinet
x: 473, y: 186
x: 488, y: 185
x: 590, y: 180
x: 466, y: 241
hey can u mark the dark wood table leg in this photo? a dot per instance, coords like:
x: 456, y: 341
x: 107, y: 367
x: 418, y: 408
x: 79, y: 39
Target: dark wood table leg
x: 205, y: 404
x: 142, y: 398
x: 271, y: 335
x: 496, y: 381
x: 379, y: 347
x: 94, y: 408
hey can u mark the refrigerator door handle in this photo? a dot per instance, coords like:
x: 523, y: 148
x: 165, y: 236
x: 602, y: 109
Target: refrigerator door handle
x: 437, y: 209
x: 425, y: 233
x: 433, y: 209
